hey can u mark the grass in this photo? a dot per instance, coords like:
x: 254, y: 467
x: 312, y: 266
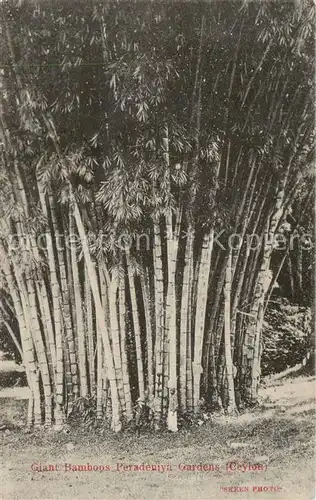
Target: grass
x: 280, y: 434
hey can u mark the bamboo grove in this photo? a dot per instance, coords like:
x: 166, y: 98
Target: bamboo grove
x: 137, y: 141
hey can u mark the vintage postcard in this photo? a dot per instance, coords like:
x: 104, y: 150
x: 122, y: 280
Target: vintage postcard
x: 157, y: 260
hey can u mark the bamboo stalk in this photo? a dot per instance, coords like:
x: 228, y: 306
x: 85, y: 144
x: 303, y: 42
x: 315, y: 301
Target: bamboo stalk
x: 116, y: 423
x: 99, y: 410
x: 116, y: 347
x: 34, y: 409
x: 122, y: 323
x: 40, y: 352
x: 137, y: 335
x: 184, y: 330
x: 202, y: 293
x: 189, y: 374
x: 150, y: 371
x: 170, y: 324
x: 89, y: 332
x: 158, y: 292
x: 66, y: 288
x: 79, y: 313
x: 231, y: 404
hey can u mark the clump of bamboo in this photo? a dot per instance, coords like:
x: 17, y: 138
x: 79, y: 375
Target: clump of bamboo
x: 177, y: 325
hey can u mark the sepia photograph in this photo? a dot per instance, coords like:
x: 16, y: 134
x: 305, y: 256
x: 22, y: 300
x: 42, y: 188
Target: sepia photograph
x: 157, y: 249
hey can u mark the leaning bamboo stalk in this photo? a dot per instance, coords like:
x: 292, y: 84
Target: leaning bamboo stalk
x: 255, y: 327
x: 40, y: 351
x: 197, y: 71
x: 244, y: 208
x: 42, y: 296
x: 139, y: 356
x: 241, y: 275
x: 46, y: 335
x: 34, y: 402
x: 32, y: 323
x: 34, y: 408
x: 202, y: 293
x: 31, y: 366
x: 79, y: 313
x: 56, y: 299
x: 47, y: 322
x: 116, y: 423
x: 275, y: 278
x: 255, y: 72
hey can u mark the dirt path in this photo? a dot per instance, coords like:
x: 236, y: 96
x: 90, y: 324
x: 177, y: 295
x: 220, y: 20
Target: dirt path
x: 279, y: 436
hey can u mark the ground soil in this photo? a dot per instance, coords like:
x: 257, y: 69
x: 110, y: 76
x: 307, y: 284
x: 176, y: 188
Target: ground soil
x: 280, y: 435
